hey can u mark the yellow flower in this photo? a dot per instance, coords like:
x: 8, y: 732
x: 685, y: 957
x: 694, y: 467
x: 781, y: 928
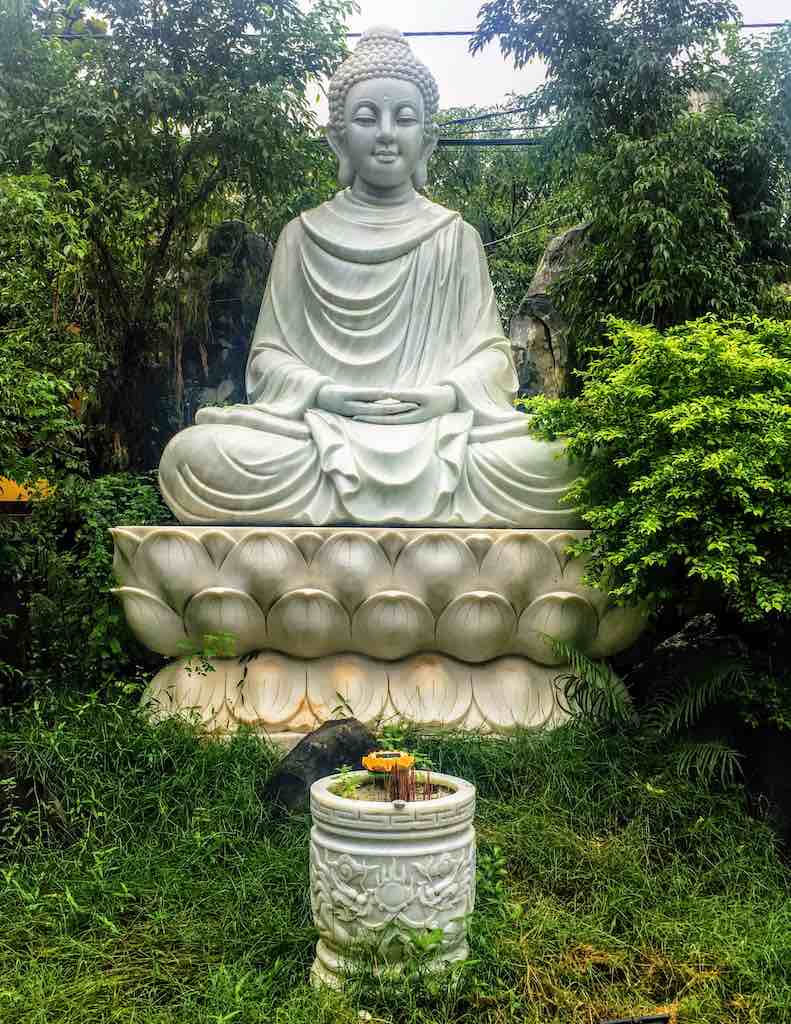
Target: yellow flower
x: 383, y: 760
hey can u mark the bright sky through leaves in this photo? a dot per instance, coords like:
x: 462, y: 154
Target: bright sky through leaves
x: 486, y: 79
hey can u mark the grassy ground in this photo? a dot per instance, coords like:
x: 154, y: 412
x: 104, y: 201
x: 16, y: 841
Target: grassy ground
x: 149, y: 884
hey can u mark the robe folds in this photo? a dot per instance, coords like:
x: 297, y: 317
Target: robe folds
x: 370, y: 296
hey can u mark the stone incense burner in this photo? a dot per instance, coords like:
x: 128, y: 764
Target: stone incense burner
x: 385, y: 875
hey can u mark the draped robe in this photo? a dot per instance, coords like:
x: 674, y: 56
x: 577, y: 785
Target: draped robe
x: 371, y: 296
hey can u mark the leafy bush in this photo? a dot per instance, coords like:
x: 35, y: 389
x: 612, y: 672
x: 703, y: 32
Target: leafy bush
x: 684, y: 442
x: 689, y: 222
x: 48, y: 351
x: 66, y: 625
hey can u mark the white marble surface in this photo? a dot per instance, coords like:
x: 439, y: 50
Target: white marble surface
x: 379, y: 379
x: 473, y: 595
x: 441, y: 628
x: 382, y: 872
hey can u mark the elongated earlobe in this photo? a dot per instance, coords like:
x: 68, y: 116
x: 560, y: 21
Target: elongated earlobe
x: 345, y: 171
x: 337, y: 145
x: 420, y: 173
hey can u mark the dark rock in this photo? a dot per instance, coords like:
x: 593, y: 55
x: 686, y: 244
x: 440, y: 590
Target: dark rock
x: 695, y: 648
x: 538, y: 331
x: 221, y: 289
x: 341, y: 742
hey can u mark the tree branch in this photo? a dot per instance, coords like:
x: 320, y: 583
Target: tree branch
x: 176, y: 217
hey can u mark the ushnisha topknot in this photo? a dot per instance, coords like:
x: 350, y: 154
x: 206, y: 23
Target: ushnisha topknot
x: 381, y: 53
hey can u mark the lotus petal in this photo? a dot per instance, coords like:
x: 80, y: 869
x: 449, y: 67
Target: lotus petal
x: 266, y: 565
x: 174, y: 564
x: 271, y: 694
x: 476, y: 626
x: 352, y: 566
x: 514, y: 693
x: 431, y: 690
x: 308, y: 623
x: 347, y: 684
x: 618, y: 629
x: 436, y: 567
x: 521, y: 566
x: 218, y: 544
x: 392, y: 624
x: 125, y: 545
x: 561, y: 616
x: 220, y: 610
x: 154, y: 623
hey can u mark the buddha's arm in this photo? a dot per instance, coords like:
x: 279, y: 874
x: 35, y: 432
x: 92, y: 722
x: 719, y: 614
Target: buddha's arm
x: 279, y: 380
x: 483, y: 379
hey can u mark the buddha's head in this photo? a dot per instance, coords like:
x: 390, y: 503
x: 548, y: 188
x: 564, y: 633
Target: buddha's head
x: 382, y: 104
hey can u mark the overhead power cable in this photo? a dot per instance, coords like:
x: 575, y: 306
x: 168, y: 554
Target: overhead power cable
x: 357, y: 35
x: 496, y: 113
x: 500, y: 128
x: 471, y: 32
x: 490, y: 142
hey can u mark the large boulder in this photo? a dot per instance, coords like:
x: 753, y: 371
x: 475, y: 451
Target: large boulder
x: 220, y: 297
x: 697, y: 647
x: 343, y: 741
x: 538, y: 332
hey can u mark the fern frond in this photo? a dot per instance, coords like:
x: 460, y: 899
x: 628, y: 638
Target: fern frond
x: 706, y: 761
x: 674, y: 712
x: 590, y: 688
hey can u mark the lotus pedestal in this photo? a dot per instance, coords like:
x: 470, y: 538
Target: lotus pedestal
x: 443, y: 628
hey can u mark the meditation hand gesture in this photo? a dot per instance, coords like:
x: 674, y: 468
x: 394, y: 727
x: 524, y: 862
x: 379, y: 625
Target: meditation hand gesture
x: 380, y: 405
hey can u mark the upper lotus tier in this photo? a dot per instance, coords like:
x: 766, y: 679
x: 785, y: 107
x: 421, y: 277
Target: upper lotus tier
x: 474, y: 595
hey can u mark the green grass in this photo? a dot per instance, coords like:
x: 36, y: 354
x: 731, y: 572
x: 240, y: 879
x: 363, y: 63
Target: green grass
x: 150, y: 884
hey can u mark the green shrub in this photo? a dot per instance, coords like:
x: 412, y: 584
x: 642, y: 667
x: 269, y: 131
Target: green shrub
x: 66, y: 624
x: 684, y: 443
x: 688, y: 223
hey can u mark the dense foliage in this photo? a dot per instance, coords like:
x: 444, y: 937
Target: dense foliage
x: 498, y: 190
x: 59, y: 620
x: 684, y: 439
x: 672, y: 141
x: 695, y: 220
x: 48, y: 358
x: 612, y: 65
x: 176, y: 116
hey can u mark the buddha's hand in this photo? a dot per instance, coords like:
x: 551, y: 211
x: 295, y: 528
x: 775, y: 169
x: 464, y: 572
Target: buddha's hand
x: 376, y: 404
x: 426, y: 404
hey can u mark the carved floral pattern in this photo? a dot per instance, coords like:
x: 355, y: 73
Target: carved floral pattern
x: 383, y: 902
x: 382, y: 875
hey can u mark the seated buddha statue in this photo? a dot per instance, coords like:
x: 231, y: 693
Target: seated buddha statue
x: 380, y: 384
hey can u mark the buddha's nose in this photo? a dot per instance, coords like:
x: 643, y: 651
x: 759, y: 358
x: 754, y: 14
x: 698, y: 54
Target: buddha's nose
x: 385, y: 133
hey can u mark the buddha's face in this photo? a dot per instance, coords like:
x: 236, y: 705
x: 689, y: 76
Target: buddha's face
x: 384, y: 138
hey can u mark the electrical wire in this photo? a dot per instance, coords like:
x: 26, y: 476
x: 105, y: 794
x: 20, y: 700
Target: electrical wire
x: 356, y: 35
x: 490, y: 142
x: 472, y: 32
x: 525, y: 231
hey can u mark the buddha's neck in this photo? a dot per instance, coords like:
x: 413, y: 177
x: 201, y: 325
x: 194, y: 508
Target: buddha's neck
x: 398, y: 196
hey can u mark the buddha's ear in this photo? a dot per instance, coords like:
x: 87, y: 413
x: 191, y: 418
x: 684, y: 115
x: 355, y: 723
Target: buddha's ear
x: 420, y: 174
x: 337, y: 141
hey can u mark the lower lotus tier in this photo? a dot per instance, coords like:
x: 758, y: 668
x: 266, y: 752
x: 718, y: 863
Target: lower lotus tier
x: 284, y: 697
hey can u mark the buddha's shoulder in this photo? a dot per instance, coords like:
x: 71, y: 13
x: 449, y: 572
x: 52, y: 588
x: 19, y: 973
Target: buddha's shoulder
x: 443, y: 213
